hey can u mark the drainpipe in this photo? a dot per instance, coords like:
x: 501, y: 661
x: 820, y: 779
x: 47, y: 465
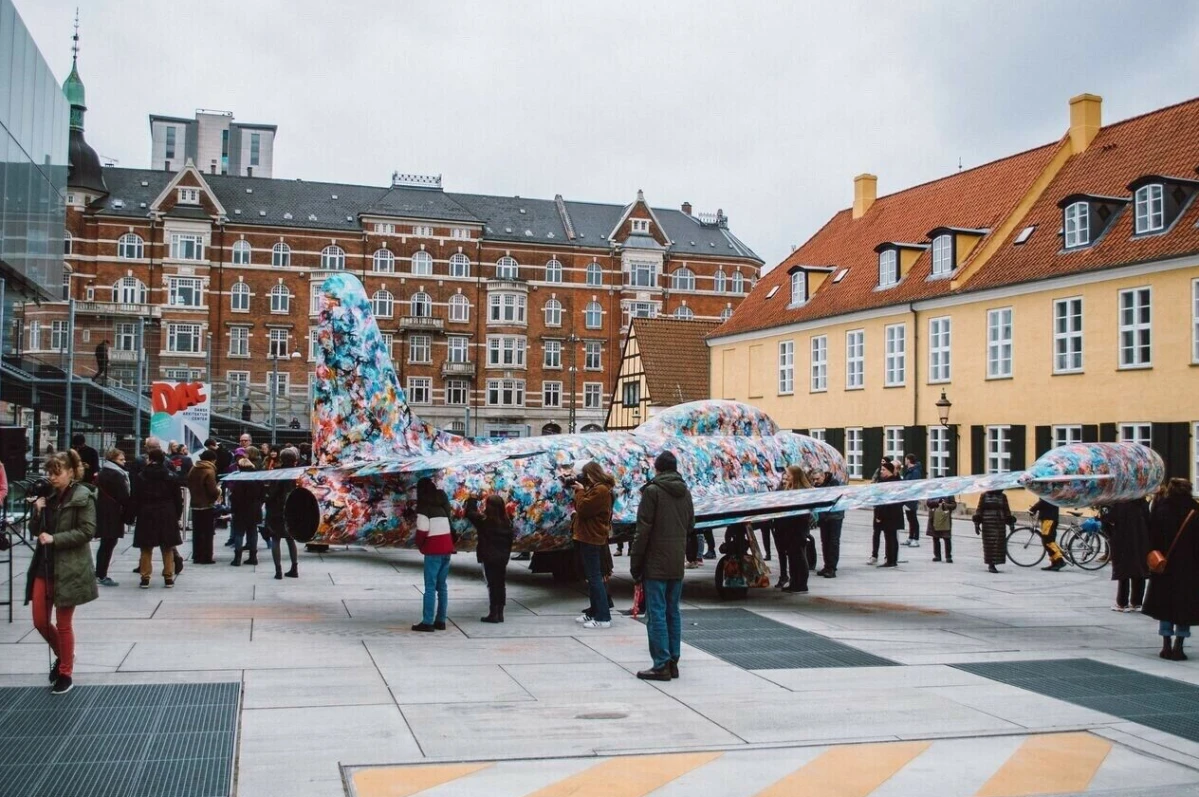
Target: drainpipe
x: 915, y: 367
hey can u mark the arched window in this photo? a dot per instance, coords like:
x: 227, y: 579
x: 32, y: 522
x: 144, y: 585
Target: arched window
x: 718, y: 282
x: 333, y: 258
x: 385, y: 261
x: 726, y: 314
x: 383, y: 304
x: 551, y: 428
x: 239, y: 297
x: 421, y: 305
x: 593, y: 317
x: 459, y: 308
x: 684, y: 313
x: 281, y: 255
x: 422, y: 264
x: 553, y: 313
x: 591, y: 427
x: 130, y: 247
x: 459, y: 265
x: 682, y: 280
x: 506, y: 268
x: 553, y: 271
x: 130, y: 290
x: 241, y: 253
x: 738, y: 282
x: 280, y: 299
x: 595, y: 275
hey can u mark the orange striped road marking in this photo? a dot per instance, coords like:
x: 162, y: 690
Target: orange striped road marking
x: 627, y: 776
x: 851, y: 771
x: 1049, y: 764
x: 403, y: 781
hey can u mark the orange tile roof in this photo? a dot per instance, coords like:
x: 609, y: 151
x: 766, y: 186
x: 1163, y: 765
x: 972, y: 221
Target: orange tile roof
x: 674, y: 358
x: 1163, y: 142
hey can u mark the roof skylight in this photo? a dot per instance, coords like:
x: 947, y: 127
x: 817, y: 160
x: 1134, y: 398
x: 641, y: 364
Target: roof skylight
x: 840, y: 275
x: 1025, y: 234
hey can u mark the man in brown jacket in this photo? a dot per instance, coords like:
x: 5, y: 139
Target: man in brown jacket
x: 201, y: 484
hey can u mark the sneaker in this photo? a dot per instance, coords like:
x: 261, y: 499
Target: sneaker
x: 107, y: 582
x: 423, y: 627
x: 619, y: 553
x: 54, y: 671
x: 655, y: 675
x: 593, y: 623
x: 710, y: 555
x: 1134, y: 608
x: 1118, y: 608
x: 145, y: 584
x: 168, y: 582
x: 872, y: 561
x: 62, y: 685
x: 583, y: 618
x: 691, y: 565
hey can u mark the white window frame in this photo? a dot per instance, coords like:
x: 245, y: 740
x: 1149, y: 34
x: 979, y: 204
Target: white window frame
x: 385, y: 228
x: 593, y: 316
x: 314, y: 345
x: 35, y: 336
x: 855, y: 359
x: 593, y: 395
x: 1195, y: 321
x: 420, y: 349
x: 333, y: 258
x: 421, y: 264
x: 506, y: 268
x: 189, y: 196
x: 130, y: 246
x: 818, y: 378
x: 551, y: 395
x: 719, y: 281
x: 553, y: 270
x: 280, y: 298
x: 553, y: 313
x: 786, y: 365
x: 125, y: 336
x: 893, y: 443
x: 242, y: 253
x: 457, y: 392
x: 507, y: 308
x: 1136, y: 432
x: 239, y: 341
x: 181, y: 289
x: 1066, y: 434
x: 278, y: 344
x: 383, y: 261
x: 237, y: 384
x: 683, y: 279
x: 389, y: 340
x: 818, y: 434
x: 799, y: 288
x: 593, y: 357
x: 177, y: 332
x: 942, y: 255
x: 552, y: 354
x: 853, y: 452
x: 1076, y: 224
x: 459, y: 308
x: 280, y: 387
x: 1149, y: 204
x: 58, y: 335
x: 1000, y: 331
x: 683, y: 313
x: 420, y: 390
x: 938, y: 451
x: 1068, y: 335
x: 895, y: 361
x: 738, y: 284
x: 383, y: 303
x: 130, y: 290
x: 420, y: 305
x: 888, y: 268
x: 506, y: 351
x: 187, y: 246
x: 639, y: 225
x: 999, y: 449
x: 457, y: 349
x: 594, y: 276
x: 1141, y: 332
x: 940, y: 350
x: 459, y: 265
x: 422, y: 231
x: 280, y: 255
x: 499, y: 389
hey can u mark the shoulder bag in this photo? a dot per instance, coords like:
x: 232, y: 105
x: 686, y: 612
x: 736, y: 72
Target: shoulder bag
x: 1156, y: 560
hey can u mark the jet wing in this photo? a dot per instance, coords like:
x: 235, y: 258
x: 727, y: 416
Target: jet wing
x: 723, y: 510
x: 368, y: 470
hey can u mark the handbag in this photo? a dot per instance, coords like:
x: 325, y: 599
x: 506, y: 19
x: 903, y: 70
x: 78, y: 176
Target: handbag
x: 1156, y: 560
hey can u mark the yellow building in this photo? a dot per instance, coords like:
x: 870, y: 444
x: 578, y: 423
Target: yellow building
x: 664, y: 363
x: 1051, y: 297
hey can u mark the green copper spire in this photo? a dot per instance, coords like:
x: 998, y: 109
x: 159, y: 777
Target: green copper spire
x: 73, y: 87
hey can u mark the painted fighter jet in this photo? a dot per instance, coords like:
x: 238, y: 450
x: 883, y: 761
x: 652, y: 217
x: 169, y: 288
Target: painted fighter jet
x: 370, y: 451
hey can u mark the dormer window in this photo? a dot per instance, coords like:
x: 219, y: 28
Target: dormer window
x: 1077, y: 225
x: 942, y: 255
x: 1150, y: 208
x: 640, y: 225
x: 888, y: 268
x: 189, y: 196
x: 799, y: 288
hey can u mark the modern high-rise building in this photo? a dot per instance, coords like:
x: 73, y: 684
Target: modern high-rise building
x: 214, y: 143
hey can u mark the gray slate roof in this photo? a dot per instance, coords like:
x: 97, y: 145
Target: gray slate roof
x: 306, y: 204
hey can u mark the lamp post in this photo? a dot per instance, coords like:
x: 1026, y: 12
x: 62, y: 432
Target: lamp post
x: 573, y: 340
x: 943, y: 404
x: 295, y: 355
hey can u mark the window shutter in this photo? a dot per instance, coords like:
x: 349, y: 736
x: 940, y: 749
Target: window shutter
x: 1090, y: 433
x: 836, y: 439
x: 953, y: 450
x: 1108, y: 433
x: 1044, y: 439
x: 1172, y: 441
x: 978, y: 449
x: 800, y: 431
x: 1019, y: 446
x: 915, y: 441
x: 872, y: 449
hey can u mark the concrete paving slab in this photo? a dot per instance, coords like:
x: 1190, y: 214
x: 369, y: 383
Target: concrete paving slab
x: 1023, y: 708
x: 311, y: 687
x: 434, y: 650
x: 485, y: 683
x: 847, y: 679
x: 263, y: 655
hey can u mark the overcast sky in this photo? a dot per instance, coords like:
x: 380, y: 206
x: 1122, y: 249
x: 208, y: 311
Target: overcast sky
x: 764, y: 110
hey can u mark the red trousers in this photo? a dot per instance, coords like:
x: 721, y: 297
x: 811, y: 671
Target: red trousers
x: 60, y: 637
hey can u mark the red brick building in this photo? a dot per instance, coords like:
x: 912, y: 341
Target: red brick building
x: 504, y: 312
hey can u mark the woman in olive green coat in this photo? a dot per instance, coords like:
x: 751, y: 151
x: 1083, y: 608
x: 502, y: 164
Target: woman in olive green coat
x: 61, y: 574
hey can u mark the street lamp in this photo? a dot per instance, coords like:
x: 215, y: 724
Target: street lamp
x: 295, y: 355
x: 943, y: 405
x: 573, y: 340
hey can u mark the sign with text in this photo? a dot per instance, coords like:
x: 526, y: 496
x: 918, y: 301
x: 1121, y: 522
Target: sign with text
x: 180, y: 411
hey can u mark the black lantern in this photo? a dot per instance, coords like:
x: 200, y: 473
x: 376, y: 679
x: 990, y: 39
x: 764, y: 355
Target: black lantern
x: 943, y: 405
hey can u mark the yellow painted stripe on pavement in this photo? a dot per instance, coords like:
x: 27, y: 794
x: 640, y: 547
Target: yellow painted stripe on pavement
x: 628, y: 776
x: 403, y: 781
x: 850, y: 771
x: 1049, y: 764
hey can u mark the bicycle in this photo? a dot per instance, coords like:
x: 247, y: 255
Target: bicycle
x: 1024, y: 548
x: 1085, y: 543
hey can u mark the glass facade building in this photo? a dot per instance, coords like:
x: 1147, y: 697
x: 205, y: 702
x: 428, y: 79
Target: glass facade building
x: 34, y: 131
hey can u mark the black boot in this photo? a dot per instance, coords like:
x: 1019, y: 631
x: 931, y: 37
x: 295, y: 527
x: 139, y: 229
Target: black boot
x: 1166, y: 651
x: 293, y: 573
x: 492, y: 615
x: 1177, y: 654
x: 236, y: 558
x: 499, y: 612
x: 278, y: 573
x: 252, y: 559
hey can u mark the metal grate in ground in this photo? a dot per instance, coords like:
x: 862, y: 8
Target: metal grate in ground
x: 1161, y: 703
x: 754, y: 642
x: 143, y: 740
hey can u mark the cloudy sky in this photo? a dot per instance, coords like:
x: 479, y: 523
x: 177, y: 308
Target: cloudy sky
x: 766, y: 110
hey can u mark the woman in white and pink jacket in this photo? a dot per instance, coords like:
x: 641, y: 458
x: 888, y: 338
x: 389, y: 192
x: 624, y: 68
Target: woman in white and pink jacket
x: 435, y: 541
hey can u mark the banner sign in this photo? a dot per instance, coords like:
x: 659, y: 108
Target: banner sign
x: 180, y: 411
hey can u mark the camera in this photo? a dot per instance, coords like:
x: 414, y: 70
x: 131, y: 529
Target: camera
x: 37, y: 488
x: 569, y: 481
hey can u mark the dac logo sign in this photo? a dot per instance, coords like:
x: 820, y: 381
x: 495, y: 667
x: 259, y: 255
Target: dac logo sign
x: 168, y: 398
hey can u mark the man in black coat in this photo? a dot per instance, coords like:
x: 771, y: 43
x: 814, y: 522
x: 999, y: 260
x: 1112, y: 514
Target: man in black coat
x: 664, y: 519
x: 89, y: 456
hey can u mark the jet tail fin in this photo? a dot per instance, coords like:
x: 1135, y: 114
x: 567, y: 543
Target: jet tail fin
x: 359, y: 410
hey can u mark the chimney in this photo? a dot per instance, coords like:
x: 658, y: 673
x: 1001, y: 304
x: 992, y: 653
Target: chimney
x: 687, y: 208
x: 1085, y: 120
x: 865, y: 191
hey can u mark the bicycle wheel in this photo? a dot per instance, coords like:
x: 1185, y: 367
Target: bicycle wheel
x: 1024, y: 546
x: 1090, y: 551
